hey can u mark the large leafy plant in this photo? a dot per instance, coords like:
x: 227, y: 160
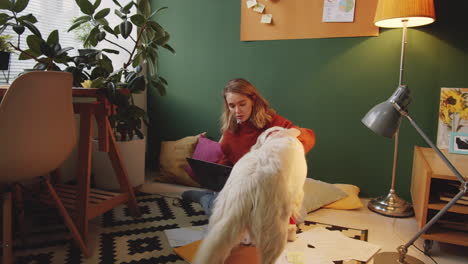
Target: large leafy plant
x: 135, y: 16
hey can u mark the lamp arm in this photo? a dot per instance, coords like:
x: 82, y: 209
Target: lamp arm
x: 403, y: 249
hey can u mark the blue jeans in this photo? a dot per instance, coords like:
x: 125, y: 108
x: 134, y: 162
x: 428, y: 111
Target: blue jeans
x: 207, y: 202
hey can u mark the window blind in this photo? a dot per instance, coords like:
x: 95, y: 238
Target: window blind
x: 51, y: 15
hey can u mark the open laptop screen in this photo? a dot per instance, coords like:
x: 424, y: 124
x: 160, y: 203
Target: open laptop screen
x: 210, y: 175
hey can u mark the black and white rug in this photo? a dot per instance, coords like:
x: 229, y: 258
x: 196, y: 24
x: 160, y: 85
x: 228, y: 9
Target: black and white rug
x: 117, y: 237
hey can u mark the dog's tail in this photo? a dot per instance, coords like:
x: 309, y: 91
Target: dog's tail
x: 226, y: 228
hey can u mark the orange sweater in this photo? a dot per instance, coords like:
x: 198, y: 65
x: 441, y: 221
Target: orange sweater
x: 236, y: 145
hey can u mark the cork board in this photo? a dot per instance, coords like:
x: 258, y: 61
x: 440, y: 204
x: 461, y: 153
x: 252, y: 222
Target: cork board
x: 302, y: 19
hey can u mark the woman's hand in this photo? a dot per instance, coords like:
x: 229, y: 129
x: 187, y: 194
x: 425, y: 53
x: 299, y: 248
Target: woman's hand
x: 291, y: 132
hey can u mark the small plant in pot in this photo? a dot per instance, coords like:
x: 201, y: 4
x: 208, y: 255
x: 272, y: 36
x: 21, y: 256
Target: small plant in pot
x: 5, y: 52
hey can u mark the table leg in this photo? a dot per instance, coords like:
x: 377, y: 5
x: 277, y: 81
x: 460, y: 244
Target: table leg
x: 84, y: 171
x: 121, y: 172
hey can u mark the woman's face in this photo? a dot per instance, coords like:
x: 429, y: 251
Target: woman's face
x: 240, y: 106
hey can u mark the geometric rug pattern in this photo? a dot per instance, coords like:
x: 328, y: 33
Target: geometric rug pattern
x: 118, y: 238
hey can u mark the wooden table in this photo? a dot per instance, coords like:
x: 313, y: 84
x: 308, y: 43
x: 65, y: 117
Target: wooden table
x: 88, y: 203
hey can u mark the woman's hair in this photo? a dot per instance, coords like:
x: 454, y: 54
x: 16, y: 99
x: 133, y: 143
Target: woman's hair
x: 261, y: 114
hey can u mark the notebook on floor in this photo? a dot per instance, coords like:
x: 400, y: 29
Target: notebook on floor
x: 210, y: 175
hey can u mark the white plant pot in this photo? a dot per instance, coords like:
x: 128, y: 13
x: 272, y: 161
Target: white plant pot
x: 133, y: 156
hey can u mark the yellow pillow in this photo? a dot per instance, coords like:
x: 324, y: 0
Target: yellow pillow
x: 352, y: 201
x: 172, y: 161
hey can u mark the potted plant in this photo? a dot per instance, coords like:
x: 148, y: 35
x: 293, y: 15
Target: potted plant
x: 137, y: 72
x: 5, y: 52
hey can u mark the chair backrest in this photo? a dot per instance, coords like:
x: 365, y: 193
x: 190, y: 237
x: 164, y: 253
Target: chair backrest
x: 37, y: 125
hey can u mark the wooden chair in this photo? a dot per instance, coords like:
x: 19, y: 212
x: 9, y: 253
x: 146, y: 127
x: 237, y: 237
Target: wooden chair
x: 37, y: 133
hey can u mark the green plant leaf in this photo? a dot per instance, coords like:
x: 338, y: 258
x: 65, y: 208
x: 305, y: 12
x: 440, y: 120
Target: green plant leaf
x: 96, y: 4
x: 91, y: 39
x: 138, y: 20
x: 111, y: 51
x: 163, y: 39
x: 62, y: 51
x: 109, y: 30
x: 119, y: 14
x: 157, y: 11
x: 34, y: 43
x: 85, y: 18
x: 20, y: 5
x: 100, y: 36
x: 4, y: 17
x: 117, y: 29
x: 101, y: 14
x: 41, y: 66
x: 29, y: 17
x: 23, y: 56
x: 136, y: 60
x: 169, y: 48
x: 126, y: 29
x: 6, y: 4
x: 85, y: 6
x: 32, y: 28
x: 53, y: 37
x: 144, y: 7
x: 156, y: 27
x: 126, y: 9
x: 163, y: 80
x: 19, y: 29
x: 117, y: 3
x: 102, y: 21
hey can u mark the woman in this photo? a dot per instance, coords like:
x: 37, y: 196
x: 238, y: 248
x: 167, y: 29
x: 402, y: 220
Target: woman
x: 246, y: 115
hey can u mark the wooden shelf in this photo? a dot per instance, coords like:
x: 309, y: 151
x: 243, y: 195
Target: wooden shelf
x: 447, y: 235
x: 430, y: 176
x: 461, y: 209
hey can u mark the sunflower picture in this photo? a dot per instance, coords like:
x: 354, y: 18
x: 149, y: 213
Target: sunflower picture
x: 453, y: 114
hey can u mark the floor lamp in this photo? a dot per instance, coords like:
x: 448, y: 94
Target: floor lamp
x: 399, y: 14
x: 384, y: 119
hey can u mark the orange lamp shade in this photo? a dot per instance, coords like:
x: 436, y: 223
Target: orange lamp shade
x: 392, y: 13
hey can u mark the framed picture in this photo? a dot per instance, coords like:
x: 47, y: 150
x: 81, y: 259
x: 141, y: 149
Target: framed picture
x: 453, y: 114
x: 459, y: 143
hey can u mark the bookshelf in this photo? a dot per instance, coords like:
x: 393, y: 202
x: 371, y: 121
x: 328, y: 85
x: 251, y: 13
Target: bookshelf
x: 432, y: 182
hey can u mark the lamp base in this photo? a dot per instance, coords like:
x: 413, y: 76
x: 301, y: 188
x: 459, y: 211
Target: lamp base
x: 391, y: 205
x: 393, y: 258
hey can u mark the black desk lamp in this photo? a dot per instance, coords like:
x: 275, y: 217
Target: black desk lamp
x: 384, y: 119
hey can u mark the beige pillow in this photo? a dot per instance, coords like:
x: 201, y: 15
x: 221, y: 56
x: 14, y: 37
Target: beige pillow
x: 352, y: 201
x: 172, y: 161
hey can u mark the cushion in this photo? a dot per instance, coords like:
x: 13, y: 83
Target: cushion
x: 207, y: 150
x: 352, y: 201
x: 172, y: 161
x: 319, y: 193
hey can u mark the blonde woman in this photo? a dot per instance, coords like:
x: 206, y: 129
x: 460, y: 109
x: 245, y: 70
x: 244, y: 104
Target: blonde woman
x: 246, y: 115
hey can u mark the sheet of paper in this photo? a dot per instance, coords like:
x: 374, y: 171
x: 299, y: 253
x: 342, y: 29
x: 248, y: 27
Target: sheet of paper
x: 251, y: 3
x: 310, y: 255
x: 335, y: 245
x: 182, y: 236
x: 338, y: 10
x: 266, y: 18
x: 259, y: 8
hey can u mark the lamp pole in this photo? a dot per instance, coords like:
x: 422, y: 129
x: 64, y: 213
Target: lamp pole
x: 392, y: 205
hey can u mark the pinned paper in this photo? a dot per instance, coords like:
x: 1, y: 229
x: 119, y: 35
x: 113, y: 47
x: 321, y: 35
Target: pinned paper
x: 259, y: 8
x: 266, y: 18
x: 251, y: 3
x: 295, y: 257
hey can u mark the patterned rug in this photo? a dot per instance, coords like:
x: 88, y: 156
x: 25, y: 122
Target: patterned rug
x: 117, y: 237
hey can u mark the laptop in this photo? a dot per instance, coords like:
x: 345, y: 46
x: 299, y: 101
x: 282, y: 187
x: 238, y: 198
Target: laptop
x: 210, y: 175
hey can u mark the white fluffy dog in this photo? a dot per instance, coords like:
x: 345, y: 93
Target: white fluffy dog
x: 264, y: 190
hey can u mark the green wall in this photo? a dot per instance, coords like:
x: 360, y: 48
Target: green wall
x: 324, y: 84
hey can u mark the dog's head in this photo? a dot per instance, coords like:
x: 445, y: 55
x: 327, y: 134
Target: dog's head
x: 275, y: 132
